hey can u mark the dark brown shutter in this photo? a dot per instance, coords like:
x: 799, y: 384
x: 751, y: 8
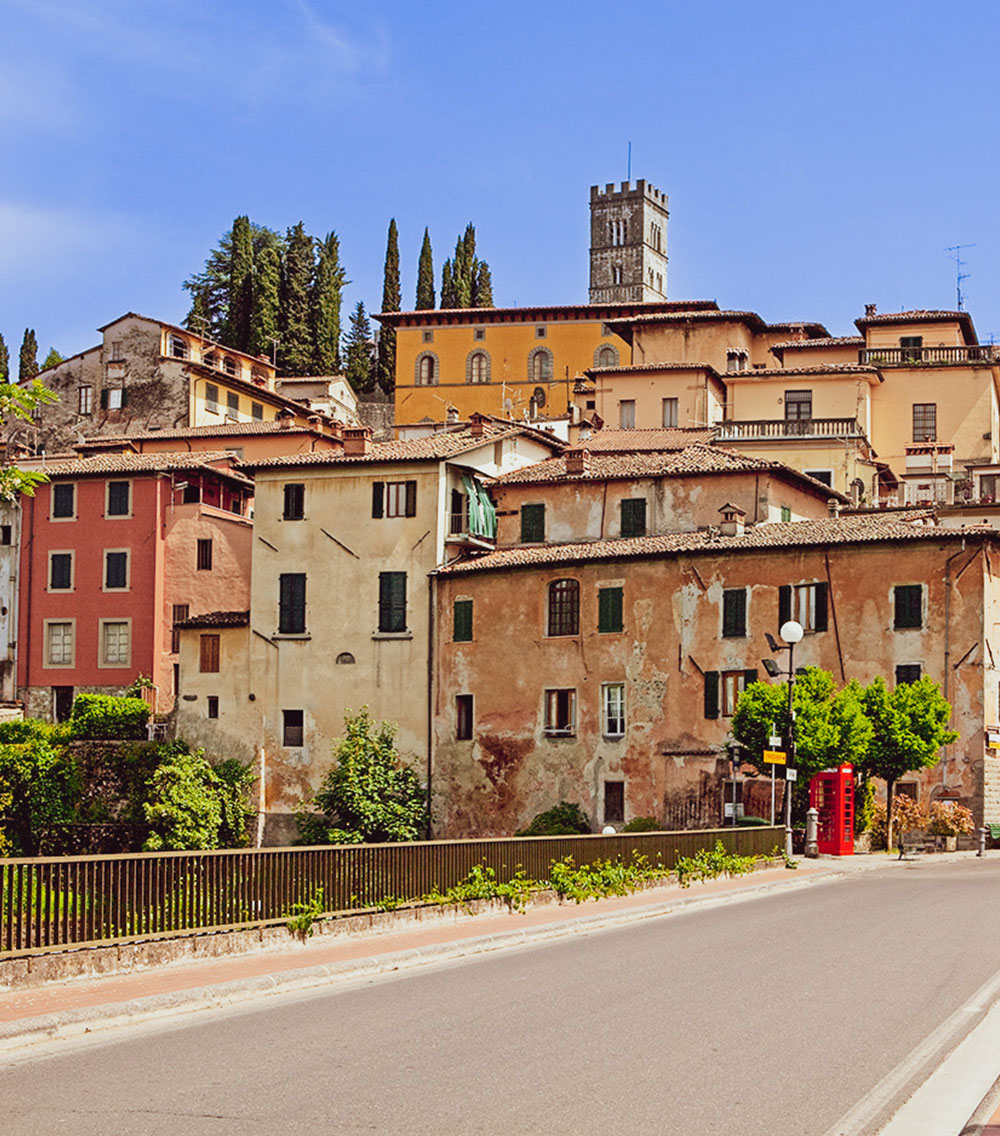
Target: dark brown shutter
x: 378, y: 497
x: 784, y: 604
x: 711, y: 694
x: 411, y: 498
x: 822, y: 591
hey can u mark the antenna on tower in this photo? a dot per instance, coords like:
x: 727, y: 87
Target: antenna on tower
x: 956, y: 251
x: 629, y: 177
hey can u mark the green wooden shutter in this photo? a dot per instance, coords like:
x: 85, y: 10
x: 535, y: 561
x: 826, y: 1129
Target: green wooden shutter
x: 749, y: 676
x: 609, y: 609
x: 463, y: 621
x: 378, y: 498
x: 291, y: 603
x: 392, y: 601
x: 822, y: 592
x: 633, y: 517
x: 784, y: 604
x: 711, y: 694
x: 734, y: 613
x: 532, y: 523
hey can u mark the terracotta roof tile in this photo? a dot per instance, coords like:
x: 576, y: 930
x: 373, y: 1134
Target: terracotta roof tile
x: 825, y: 341
x: 816, y: 369
x: 217, y: 619
x: 231, y: 429
x: 607, y: 441
x: 132, y: 463
x: 793, y: 534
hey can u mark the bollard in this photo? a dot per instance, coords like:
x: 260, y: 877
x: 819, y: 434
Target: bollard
x: 812, y: 828
x: 982, y: 842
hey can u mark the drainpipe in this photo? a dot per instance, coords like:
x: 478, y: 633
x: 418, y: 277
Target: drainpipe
x: 261, y: 796
x: 431, y: 602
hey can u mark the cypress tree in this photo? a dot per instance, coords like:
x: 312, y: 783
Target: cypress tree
x: 359, y: 371
x: 240, y: 298
x: 296, y: 349
x: 392, y: 298
x: 483, y: 295
x: 425, y: 275
x: 28, y: 367
x: 4, y: 362
x: 448, y: 296
x: 326, y: 299
x: 266, y: 302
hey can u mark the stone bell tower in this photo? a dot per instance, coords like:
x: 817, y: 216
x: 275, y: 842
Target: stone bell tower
x: 628, y: 244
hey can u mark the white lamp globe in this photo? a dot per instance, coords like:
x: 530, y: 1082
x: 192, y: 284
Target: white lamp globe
x: 791, y: 632
x: 609, y: 830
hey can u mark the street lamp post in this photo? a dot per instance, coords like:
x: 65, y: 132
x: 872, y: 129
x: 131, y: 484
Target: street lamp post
x: 792, y: 633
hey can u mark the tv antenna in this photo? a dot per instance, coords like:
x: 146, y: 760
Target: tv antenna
x: 956, y: 251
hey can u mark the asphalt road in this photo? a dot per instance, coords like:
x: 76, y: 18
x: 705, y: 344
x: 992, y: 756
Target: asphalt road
x: 769, y: 1017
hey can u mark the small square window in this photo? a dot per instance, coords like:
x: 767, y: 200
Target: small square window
x: 63, y: 500
x: 541, y: 332
x: 213, y: 706
x: 479, y: 333
x: 5, y: 534
x: 118, y: 499
x: 463, y: 717
x: 427, y: 337
x: 292, y: 727
x: 614, y: 802
x: 204, y: 562
x: 907, y: 672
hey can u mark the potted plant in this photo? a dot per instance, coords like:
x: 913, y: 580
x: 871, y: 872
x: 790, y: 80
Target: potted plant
x: 949, y: 820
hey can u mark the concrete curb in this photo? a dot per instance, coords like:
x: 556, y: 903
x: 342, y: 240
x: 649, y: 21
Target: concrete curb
x: 44, y: 1028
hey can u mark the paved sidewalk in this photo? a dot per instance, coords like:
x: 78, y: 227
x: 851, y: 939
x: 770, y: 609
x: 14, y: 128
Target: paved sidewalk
x: 62, y: 1009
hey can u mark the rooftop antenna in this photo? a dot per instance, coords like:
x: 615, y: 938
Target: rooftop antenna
x: 629, y: 177
x: 956, y: 251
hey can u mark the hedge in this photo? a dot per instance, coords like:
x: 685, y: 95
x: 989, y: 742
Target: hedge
x: 105, y: 716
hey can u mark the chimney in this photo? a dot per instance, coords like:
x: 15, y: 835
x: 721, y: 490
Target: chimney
x: 357, y: 441
x: 451, y: 415
x: 732, y: 520
x: 477, y: 424
x: 871, y: 310
x: 577, y: 461
x: 315, y: 421
x: 286, y: 419
x: 834, y: 506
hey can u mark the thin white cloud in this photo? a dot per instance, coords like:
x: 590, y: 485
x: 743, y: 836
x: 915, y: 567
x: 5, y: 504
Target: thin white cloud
x: 39, y: 240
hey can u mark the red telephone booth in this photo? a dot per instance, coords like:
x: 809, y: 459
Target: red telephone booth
x: 831, y: 794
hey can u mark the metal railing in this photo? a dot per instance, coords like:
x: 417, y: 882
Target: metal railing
x: 47, y: 903
x: 738, y: 430
x: 915, y: 356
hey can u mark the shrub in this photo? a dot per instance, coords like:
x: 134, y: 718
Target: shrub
x: 643, y: 824
x: 105, y: 716
x: 40, y: 786
x: 864, y: 807
x: 751, y: 821
x: 184, y: 809
x: 564, y: 819
x: 949, y: 818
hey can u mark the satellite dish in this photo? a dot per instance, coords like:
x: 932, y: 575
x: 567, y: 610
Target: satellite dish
x: 538, y: 397
x: 508, y: 404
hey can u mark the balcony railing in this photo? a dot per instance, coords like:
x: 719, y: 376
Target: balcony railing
x: 929, y: 356
x: 773, y: 428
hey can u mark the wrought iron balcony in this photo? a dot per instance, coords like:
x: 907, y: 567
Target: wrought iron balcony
x: 782, y: 428
x: 929, y: 356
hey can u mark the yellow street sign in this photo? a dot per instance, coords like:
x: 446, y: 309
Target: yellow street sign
x: 775, y: 757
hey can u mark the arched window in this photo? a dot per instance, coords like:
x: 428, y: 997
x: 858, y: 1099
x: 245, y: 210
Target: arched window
x: 540, y: 365
x: 477, y: 367
x: 651, y: 278
x: 606, y: 356
x: 611, y: 232
x: 624, y: 232
x: 616, y: 274
x: 211, y: 359
x: 178, y: 347
x: 426, y: 369
x: 564, y: 607
x: 229, y: 365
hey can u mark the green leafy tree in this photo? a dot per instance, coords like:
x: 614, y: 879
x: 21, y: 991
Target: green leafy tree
x: 53, y: 359
x: 22, y: 402
x: 392, y: 298
x: 40, y: 779
x: 234, y: 782
x: 909, y: 727
x: 830, y: 725
x: 240, y: 299
x: 295, y: 351
x: 266, y: 303
x: 368, y: 796
x: 360, y: 372
x: 328, y: 288
x: 184, y: 807
x: 28, y: 367
x: 4, y: 361
x: 425, y: 275
x: 564, y: 819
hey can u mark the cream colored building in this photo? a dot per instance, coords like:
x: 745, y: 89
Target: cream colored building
x: 341, y: 606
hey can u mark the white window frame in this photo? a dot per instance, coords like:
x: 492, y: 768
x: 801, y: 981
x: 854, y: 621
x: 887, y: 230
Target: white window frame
x: 104, y: 660
x: 552, y: 712
x: 613, y: 709
x: 732, y: 684
x: 673, y: 405
x: 395, y: 498
x: 804, y: 605
x: 69, y: 653
x: 85, y: 399
x: 115, y: 398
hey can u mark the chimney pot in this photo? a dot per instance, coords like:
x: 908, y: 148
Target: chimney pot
x: 357, y: 440
x: 577, y: 461
x: 477, y: 424
x: 834, y: 506
x: 733, y: 520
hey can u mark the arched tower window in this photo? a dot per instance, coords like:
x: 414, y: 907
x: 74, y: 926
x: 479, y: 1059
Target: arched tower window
x: 477, y: 367
x: 540, y: 365
x: 426, y: 369
x: 606, y: 356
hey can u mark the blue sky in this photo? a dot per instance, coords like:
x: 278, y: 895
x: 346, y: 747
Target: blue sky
x: 818, y: 156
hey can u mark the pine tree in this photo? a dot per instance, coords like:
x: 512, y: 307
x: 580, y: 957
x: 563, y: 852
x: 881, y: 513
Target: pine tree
x: 53, y: 359
x: 295, y: 350
x: 28, y: 367
x: 425, y: 275
x: 392, y: 298
x: 482, y: 297
x: 449, y: 299
x: 326, y: 299
x: 266, y: 302
x: 240, y: 299
x: 359, y: 371
x: 4, y: 361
